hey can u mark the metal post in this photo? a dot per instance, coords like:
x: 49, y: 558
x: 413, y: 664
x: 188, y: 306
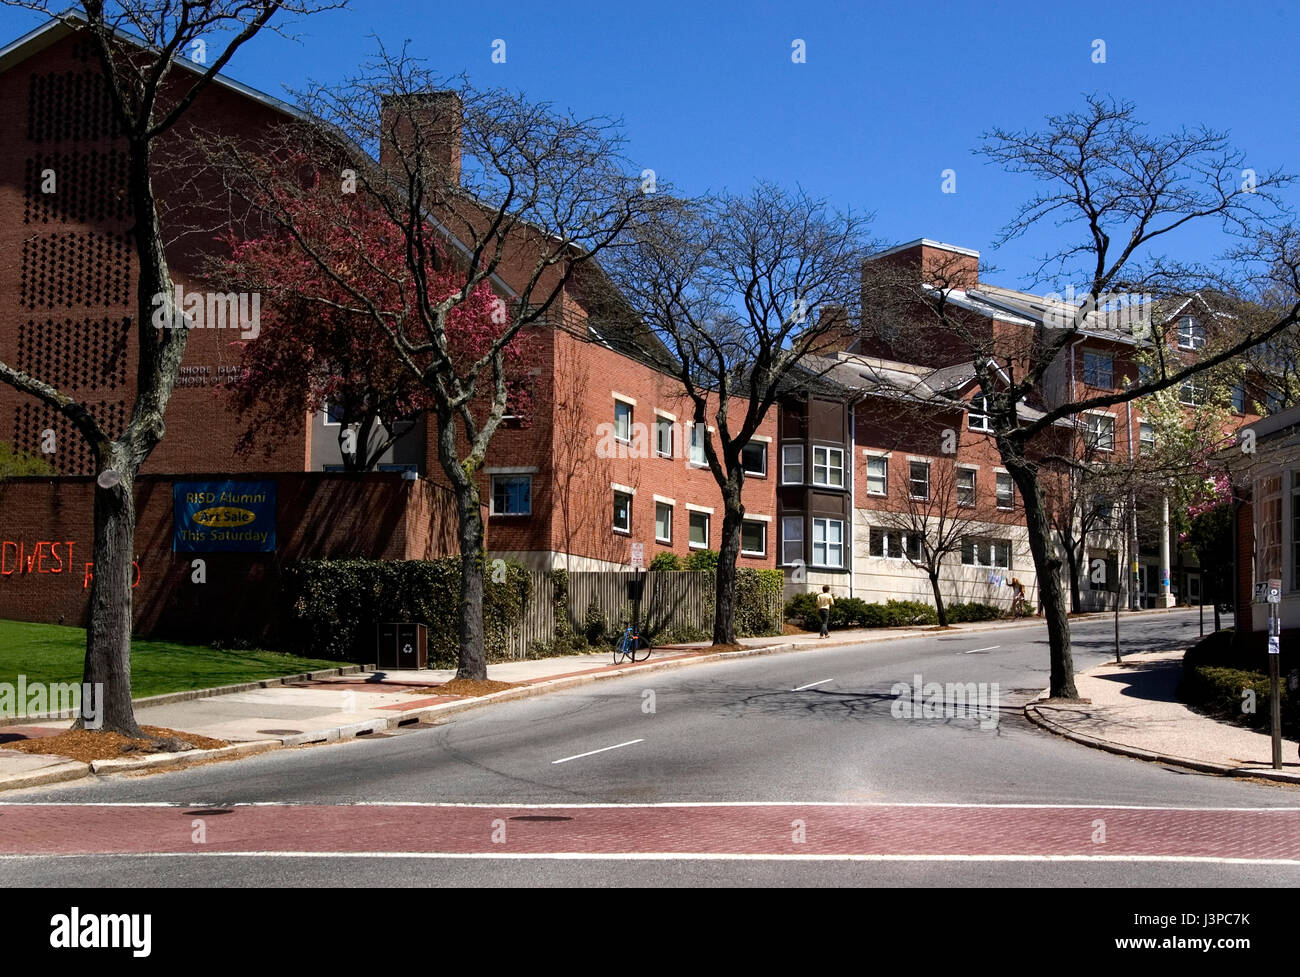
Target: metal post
x: 1117, y: 658
x: 1201, y: 603
x: 1275, y: 680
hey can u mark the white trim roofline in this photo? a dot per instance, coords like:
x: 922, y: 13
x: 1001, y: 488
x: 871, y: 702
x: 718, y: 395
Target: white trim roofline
x: 925, y: 242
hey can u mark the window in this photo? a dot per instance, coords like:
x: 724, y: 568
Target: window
x: 1268, y: 526
x: 919, y: 479
x: 698, y: 433
x: 333, y: 414
x: 877, y: 475
x: 895, y: 544
x: 1146, y: 373
x: 753, y: 538
x: 663, y: 522
x: 792, y: 464
x: 663, y: 437
x: 966, y: 486
x: 1100, y: 432
x: 699, y: 530
x: 994, y: 553
x: 828, y: 543
x: 1239, y: 398
x: 622, y: 512
x: 1098, y: 369
x: 828, y: 467
x: 791, y: 539
x: 512, y: 495
x: 1006, y: 491
x: 977, y: 417
x: 753, y: 458
x: 623, y: 422
x: 1192, y: 393
x: 1191, y: 334
x: 1103, y: 512
x: 1146, y: 438
x: 1295, y: 530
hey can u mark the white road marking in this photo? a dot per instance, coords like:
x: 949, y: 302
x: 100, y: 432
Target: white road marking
x: 603, y: 749
x: 503, y: 805
x: 675, y: 856
x: 812, y: 685
x: 974, y: 650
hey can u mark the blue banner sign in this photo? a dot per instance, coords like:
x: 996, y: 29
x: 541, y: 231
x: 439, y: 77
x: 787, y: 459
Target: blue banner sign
x: 224, y: 517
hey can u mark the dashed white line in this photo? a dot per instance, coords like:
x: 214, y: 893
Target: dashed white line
x: 603, y: 749
x: 812, y: 685
x: 974, y: 650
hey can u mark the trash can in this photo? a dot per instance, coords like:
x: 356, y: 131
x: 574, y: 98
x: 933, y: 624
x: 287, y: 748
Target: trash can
x: 402, y: 646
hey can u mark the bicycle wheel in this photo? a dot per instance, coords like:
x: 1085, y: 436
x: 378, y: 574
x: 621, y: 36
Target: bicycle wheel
x: 640, y: 648
x: 620, y: 649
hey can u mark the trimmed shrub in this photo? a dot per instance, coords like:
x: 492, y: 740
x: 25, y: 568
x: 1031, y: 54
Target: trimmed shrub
x: 330, y: 608
x: 703, y: 560
x: 853, y: 612
x: 974, y: 611
x: 666, y: 561
x: 757, y: 591
x: 1216, y: 676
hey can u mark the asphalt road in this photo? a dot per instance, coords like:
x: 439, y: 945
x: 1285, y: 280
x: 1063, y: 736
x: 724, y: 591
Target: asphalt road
x: 795, y: 767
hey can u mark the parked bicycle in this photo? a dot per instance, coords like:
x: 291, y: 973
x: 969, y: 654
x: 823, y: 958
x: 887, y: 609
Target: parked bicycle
x: 631, y: 646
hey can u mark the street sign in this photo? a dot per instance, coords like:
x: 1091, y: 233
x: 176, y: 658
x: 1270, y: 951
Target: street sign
x: 638, y: 555
x: 1275, y: 591
x: 1274, y: 625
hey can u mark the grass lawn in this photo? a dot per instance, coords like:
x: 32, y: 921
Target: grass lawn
x: 50, y: 653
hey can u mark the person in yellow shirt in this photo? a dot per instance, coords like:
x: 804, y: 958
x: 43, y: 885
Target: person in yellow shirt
x: 824, y: 601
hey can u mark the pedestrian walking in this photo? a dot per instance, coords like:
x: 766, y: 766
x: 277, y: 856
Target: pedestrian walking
x: 1017, y: 597
x: 824, y: 601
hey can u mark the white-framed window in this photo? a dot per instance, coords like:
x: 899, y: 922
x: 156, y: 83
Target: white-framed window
x: 753, y: 458
x: 828, y: 466
x: 1192, y: 392
x: 1191, y: 334
x: 623, y: 422
x: 1100, y: 431
x: 828, y: 543
x: 699, y: 530
x: 512, y: 495
x: 698, y: 434
x: 663, y: 522
x: 918, y: 479
x: 877, y: 475
x: 791, y: 464
x: 622, y: 512
x: 966, y: 486
x: 1146, y: 437
x: 791, y: 540
x: 1098, y: 369
x: 894, y: 544
x: 1268, y: 525
x: 977, y: 552
x: 664, y: 437
x: 977, y: 418
x: 331, y: 414
x: 753, y: 537
x: 1006, y: 488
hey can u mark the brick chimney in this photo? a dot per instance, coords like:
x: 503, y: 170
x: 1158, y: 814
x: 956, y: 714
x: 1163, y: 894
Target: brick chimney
x: 436, y: 117
x: 936, y: 263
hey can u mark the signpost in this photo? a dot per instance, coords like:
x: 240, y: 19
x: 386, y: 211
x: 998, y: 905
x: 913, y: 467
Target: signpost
x: 1274, y: 595
x: 637, y: 586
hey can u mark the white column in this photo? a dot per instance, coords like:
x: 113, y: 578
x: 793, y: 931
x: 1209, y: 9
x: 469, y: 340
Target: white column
x: 1165, y: 596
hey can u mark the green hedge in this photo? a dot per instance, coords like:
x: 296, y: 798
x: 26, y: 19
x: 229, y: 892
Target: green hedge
x: 974, y: 611
x: 758, y: 592
x: 1216, y: 674
x: 853, y: 612
x: 330, y: 608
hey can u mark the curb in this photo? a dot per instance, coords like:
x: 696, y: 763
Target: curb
x: 68, y: 770
x: 1203, y: 766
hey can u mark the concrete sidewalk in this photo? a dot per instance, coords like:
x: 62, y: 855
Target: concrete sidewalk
x: 1135, y: 711
x: 326, y: 706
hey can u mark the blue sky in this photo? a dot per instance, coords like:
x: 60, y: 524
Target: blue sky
x: 889, y: 97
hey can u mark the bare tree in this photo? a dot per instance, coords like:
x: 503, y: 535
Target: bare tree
x: 146, y: 53
x: 514, y: 197
x: 1125, y: 192
x: 736, y: 292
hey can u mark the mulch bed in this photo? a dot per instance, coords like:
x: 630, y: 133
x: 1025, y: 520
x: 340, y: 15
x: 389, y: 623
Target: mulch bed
x: 91, y: 744
x: 471, y: 687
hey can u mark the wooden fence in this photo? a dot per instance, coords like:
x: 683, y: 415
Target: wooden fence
x: 672, y: 602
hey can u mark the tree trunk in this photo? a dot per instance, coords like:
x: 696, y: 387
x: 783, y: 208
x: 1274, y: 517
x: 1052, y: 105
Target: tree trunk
x: 108, y: 637
x: 473, y: 653
x: 724, y: 606
x: 1048, y: 566
x: 938, y: 600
